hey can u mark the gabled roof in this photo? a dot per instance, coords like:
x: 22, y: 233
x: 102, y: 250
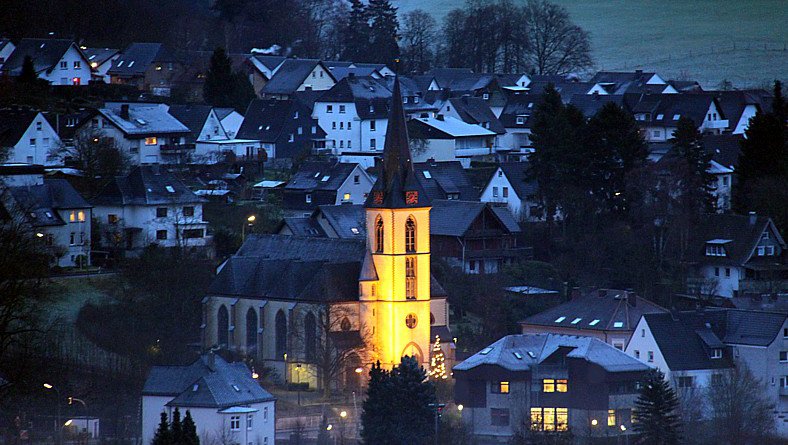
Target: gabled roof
x: 371, y: 96
x: 454, y: 218
x: 270, y: 62
x: 445, y: 178
x: 320, y: 176
x: 192, y: 116
x: 597, y: 310
x: 474, y: 110
x: 685, y: 340
x: 445, y: 76
x: 627, y: 82
x: 590, y: 104
x: 349, y: 221
x: 13, y: 125
x: 445, y: 128
x: 533, y: 349
x: 272, y: 121
x: 290, y: 75
x: 517, y: 174
x: 519, y: 105
x: 146, y: 185
x: 209, y: 382
x: 340, y: 72
x: 99, y: 55
x: 46, y: 53
x: 743, y: 231
x: 732, y: 103
x: 138, y: 57
x: 724, y: 148
x: 665, y: 107
x: 40, y: 203
x: 143, y: 119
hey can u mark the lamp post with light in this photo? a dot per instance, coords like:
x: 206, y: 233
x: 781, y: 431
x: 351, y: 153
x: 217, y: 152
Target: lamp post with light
x: 71, y: 401
x: 249, y: 222
x: 59, y: 426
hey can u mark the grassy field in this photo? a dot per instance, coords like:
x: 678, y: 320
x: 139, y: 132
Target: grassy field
x: 706, y: 40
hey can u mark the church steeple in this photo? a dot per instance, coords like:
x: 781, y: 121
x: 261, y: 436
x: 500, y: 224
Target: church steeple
x: 397, y: 186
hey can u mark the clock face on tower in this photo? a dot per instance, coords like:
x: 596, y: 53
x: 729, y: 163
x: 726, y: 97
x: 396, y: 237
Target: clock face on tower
x: 411, y: 198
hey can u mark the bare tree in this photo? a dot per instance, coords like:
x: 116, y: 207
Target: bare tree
x: 98, y: 156
x: 556, y: 45
x: 418, y: 41
x: 740, y: 411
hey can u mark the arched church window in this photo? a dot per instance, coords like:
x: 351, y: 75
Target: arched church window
x: 410, y: 278
x: 410, y: 235
x: 379, y: 234
x: 310, y: 337
x: 345, y: 324
x: 281, y: 335
x: 223, y: 326
x: 251, y: 330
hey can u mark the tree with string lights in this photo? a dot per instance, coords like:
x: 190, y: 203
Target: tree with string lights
x: 438, y: 361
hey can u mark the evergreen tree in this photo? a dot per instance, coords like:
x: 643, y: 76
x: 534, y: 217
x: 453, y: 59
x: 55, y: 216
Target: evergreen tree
x: 383, y: 34
x: 763, y: 150
x: 190, y: 430
x: 225, y: 88
x: 356, y: 33
x: 398, y: 397
x: 655, y: 416
x: 176, y: 428
x: 688, y: 145
x: 615, y: 148
x: 28, y: 75
x: 163, y: 435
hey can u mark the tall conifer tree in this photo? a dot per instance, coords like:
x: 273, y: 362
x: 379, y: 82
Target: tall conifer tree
x: 655, y: 416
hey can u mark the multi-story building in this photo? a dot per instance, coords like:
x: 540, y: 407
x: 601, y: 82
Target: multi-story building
x: 57, y: 61
x: 27, y: 137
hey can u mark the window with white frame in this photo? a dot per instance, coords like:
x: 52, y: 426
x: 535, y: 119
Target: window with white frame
x: 235, y: 423
x: 249, y: 421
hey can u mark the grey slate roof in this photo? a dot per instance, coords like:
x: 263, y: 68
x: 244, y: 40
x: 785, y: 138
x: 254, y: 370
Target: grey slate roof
x: 290, y: 75
x: 146, y: 185
x: 743, y: 234
x: 517, y: 173
x: 192, y: 116
x: 280, y: 247
x: 99, y: 55
x: 626, y: 82
x: 732, y: 103
x: 519, y: 105
x: 13, y: 124
x: 454, y: 218
x: 344, y: 218
x: 46, y: 53
x: 221, y: 385
x: 138, y: 57
x: 45, y: 199
x: 273, y: 121
x: 320, y: 176
x: 446, y: 177
x: 474, y: 110
x: 270, y: 62
x: 590, y: 104
x: 144, y: 119
x: 541, y: 346
x: 693, y: 106
x: 371, y: 96
x: 603, y: 306
x: 725, y: 148
x: 303, y: 226
x: 680, y: 338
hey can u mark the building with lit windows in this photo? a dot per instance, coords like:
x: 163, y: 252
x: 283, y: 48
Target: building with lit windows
x: 547, y: 383
x: 268, y: 301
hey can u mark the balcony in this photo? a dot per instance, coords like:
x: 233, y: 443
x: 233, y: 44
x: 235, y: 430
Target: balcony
x: 717, y: 125
x: 176, y: 149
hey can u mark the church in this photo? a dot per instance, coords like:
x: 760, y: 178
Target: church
x: 280, y: 299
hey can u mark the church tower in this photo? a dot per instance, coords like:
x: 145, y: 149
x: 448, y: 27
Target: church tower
x: 395, y: 276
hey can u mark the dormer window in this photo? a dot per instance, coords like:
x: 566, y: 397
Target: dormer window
x: 716, y: 247
x: 716, y: 353
x: 520, y: 120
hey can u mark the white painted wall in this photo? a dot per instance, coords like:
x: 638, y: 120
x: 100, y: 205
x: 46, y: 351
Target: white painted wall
x: 138, y: 151
x: 231, y: 123
x: 35, y: 144
x: 345, y: 131
x: 145, y: 218
x: 318, y: 80
x: 744, y: 121
x: 358, y: 191
x: 72, y: 65
x: 725, y: 285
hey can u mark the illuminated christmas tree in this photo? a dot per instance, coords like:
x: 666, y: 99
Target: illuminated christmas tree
x: 438, y: 361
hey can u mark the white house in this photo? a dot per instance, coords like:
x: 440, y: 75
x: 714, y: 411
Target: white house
x: 208, y: 136
x: 150, y: 206
x: 58, y: 215
x: 27, y: 137
x: 610, y: 82
x: 146, y: 132
x: 298, y: 75
x: 509, y: 185
x: 448, y: 139
x: 231, y: 120
x: 58, y: 61
x: 659, y: 114
x: 723, y: 186
x: 225, y: 401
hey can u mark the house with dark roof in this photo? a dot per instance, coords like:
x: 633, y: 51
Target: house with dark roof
x: 285, y: 128
x: 607, y: 314
x: 739, y: 106
x: 211, y: 140
x: 151, y: 67
x: 101, y: 60
x: 695, y: 348
x: 223, y: 398
x: 516, y: 118
x: 317, y: 183
x: 146, y: 132
x: 510, y: 185
x: 261, y: 68
x: 148, y: 206
x: 52, y: 209
x: 635, y: 82
x: 475, y: 111
x: 734, y: 255
x: 58, y: 61
x: 550, y: 382
x: 658, y: 114
x: 27, y: 137
x: 445, y: 180
x: 297, y: 75
x: 444, y: 138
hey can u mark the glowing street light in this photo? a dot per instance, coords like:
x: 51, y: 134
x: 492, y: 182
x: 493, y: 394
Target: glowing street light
x: 594, y: 422
x: 343, y: 414
x: 359, y: 370
x: 249, y: 221
x: 68, y: 422
x: 460, y: 407
x: 41, y: 235
x: 623, y: 428
x: 329, y: 427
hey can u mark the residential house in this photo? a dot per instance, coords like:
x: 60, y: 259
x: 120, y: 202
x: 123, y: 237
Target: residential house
x: 516, y: 118
x: 547, y: 382
x: 297, y: 75
x: 231, y: 120
x: 54, y: 211
x: 695, y: 348
x: 146, y: 132
x: 261, y: 68
x: 285, y: 129
x: 101, y: 60
x: 739, y: 106
x: 211, y: 141
x: 476, y: 237
x: 474, y: 111
x: 510, y: 185
x: 224, y: 400
x: 318, y: 183
x: 151, y: 67
x: 6, y: 48
x: 658, y: 114
x: 734, y: 255
x: 637, y: 82
x: 150, y: 206
x: 353, y: 113
x: 607, y: 314
x: 445, y: 180
x: 58, y: 61
x: 448, y: 139
x: 590, y: 104
x: 27, y: 137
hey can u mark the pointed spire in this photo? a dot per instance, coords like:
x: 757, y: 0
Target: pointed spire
x: 397, y: 185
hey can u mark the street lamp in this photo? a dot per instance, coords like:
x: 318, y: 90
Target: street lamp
x: 460, y: 407
x: 71, y: 401
x: 59, y: 428
x: 249, y: 221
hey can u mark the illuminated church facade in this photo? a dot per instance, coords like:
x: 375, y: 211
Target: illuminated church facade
x: 266, y: 301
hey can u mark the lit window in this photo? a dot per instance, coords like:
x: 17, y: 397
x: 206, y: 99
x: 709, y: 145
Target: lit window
x: 410, y: 235
x: 81, y: 216
x: 500, y: 388
x: 151, y: 141
x: 549, y: 419
x: 346, y: 197
x: 611, y: 417
x: 548, y: 385
x: 410, y: 278
x: 72, y: 216
x: 235, y: 423
x: 561, y: 385
x: 379, y: 234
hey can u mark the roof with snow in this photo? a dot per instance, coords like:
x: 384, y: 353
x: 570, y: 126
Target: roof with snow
x: 143, y: 119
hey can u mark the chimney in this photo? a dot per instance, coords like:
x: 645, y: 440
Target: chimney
x: 124, y: 111
x: 211, y: 360
x: 575, y: 294
x: 602, y: 292
x: 631, y: 297
x: 753, y: 218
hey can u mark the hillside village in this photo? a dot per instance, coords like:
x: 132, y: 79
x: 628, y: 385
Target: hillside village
x: 235, y: 248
